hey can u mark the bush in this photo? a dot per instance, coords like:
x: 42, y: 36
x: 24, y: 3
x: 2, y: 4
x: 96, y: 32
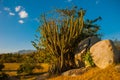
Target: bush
x: 1, y: 66
x: 59, y: 37
x: 87, y: 58
x: 4, y: 76
x: 27, y: 67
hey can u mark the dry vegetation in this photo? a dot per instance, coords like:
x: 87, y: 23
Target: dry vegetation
x: 11, y: 70
x: 109, y: 73
x: 94, y: 73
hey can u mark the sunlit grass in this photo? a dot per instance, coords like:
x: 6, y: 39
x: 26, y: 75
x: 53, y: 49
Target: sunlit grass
x: 11, y: 66
x: 44, y: 68
x: 94, y: 74
x: 11, y: 70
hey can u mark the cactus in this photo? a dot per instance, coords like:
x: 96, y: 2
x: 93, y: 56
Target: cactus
x: 59, y: 38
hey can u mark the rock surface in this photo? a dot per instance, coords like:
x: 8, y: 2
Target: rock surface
x: 104, y: 53
x: 75, y: 72
x: 44, y: 76
x: 117, y: 68
x: 83, y: 46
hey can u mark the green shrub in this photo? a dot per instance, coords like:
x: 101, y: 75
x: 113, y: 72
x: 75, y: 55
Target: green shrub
x: 1, y: 66
x: 87, y: 58
x: 4, y: 76
x: 27, y: 67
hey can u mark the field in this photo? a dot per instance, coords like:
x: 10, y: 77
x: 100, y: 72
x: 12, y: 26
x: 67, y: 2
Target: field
x: 110, y: 73
x: 11, y: 70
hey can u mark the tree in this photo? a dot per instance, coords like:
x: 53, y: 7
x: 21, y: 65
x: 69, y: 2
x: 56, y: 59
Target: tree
x: 59, y: 38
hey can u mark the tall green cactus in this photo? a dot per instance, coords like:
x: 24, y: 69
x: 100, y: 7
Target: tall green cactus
x: 59, y: 39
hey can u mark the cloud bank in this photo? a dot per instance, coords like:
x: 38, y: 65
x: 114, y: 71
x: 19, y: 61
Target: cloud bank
x: 6, y: 9
x: 11, y: 14
x: 21, y: 21
x: 17, y: 8
x: 9, y: 11
x: 23, y: 14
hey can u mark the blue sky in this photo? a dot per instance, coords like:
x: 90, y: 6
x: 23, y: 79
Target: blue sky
x: 18, y: 19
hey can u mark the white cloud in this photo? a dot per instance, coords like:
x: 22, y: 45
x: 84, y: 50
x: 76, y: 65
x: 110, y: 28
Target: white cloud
x: 9, y: 11
x: 69, y: 0
x: 23, y: 14
x: 97, y: 1
x: 11, y: 14
x: 21, y: 21
x: 17, y: 8
x: 6, y: 9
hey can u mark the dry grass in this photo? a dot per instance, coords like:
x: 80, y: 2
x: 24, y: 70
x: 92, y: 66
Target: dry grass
x: 109, y: 73
x: 44, y: 68
x: 11, y: 66
x: 11, y: 70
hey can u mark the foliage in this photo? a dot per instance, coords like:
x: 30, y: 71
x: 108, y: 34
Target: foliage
x: 1, y: 66
x: 4, y: 76
x: 19, y: 58
x: 87, y: 58
x: 117, y: 43
x: 41, y: 57
x: 10, y: 58
x: 27, y: 66
x: 59, y: 38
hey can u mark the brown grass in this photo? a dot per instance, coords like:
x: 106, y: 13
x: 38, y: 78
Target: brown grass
x: 11, y: 66
x: 44, y: 68
x: 11, y: 70
x: 109, y: 73
x: 94, y: 74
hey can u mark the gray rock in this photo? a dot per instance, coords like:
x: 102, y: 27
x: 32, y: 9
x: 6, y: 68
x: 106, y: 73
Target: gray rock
x: 104, y: 53
x: 75, y: 72
x: 83, y: 46
x: 44, y: 76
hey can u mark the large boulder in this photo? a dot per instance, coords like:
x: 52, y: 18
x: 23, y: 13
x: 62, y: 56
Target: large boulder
x: 83, y: 46
x: 104, y: 53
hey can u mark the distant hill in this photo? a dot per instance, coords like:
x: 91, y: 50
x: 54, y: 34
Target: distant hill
x: 25, y: 51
